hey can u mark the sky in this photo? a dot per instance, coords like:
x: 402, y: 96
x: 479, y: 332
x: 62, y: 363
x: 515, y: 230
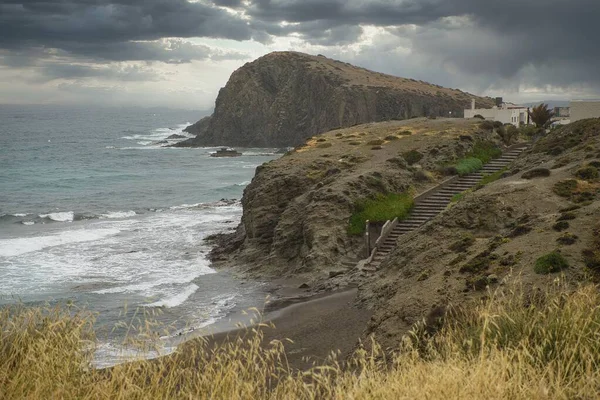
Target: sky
x: 179, y: 53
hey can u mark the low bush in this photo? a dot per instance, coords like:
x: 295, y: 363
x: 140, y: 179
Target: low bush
x: 561, y: 226
x: 595, y: 164
x: 550, y: 263
x: 375, y: 142
x: 567, y: 238
x: 485, y: 151
x: 588, y: 173
x: 536, y: 173
x: 325, y: 145
x: 468, y: 165
x: 487, y: 125
x: 498, y: 124
x: 405, y: 133
x: 391, y: 138
x: 567, y: 216
x: 412, y: 157
x: 380, y: 209
x: 479, y: 116
x: 565, y: 188
x: 376, y: 148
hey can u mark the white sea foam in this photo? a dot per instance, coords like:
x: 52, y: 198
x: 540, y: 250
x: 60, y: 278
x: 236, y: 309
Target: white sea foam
x: 245, y: 183
x: 20, y: 215
x: 118, y: 214
x: 28, y: 223
x: 146, y: 139
x: 177, y: 299
x: 66, y: 216
x: 19, y: 246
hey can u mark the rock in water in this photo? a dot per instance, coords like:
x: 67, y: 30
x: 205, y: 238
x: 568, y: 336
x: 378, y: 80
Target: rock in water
x: 283, y: 98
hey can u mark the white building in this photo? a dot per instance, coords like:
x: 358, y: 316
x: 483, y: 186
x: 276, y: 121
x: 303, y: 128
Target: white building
x: 582, y: 109
x: 507, y: 113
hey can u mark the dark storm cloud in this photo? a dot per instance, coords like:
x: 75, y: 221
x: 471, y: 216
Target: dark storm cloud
x: 538, y: 40
x: 494, y: 38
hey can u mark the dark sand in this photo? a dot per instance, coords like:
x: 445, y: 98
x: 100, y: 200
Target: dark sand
x: 317, y: 327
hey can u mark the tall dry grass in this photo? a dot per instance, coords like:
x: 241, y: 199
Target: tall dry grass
x: 512, y: 346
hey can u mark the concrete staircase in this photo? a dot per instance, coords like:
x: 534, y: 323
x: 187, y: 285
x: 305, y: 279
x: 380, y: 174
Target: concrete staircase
x: 434, y: 201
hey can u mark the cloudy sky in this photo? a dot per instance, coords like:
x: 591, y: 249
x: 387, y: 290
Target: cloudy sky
x: 178, y: 53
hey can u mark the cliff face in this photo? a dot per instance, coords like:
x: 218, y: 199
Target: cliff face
x: 283, y: 98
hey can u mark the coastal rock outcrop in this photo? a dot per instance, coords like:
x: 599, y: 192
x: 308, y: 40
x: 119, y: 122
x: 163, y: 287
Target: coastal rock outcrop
x: 297, y: 208
x: 283, y: 98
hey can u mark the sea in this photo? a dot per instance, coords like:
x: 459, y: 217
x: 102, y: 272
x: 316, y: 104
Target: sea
x: 97, y: 213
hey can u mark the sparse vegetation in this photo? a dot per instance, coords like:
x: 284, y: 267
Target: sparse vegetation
x: 485, y: 151
x: 405, y: 133
x: 567, y: 216
x: 391, y: 138
x: 591, y: 255
x: 487, y: 179
x: 375, y: 142
x: 461, y: 245
x: 324, y: 145
x: 380, y: 209
x: 536, y: 173
x: 550, y: 263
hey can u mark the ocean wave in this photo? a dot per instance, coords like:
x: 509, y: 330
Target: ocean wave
x: 177, y: 299
x: 65, y: 216
x: 19, y: 246
x: 160, y: 134
x: 214, y: 204
x: 118, y: 214
x: 245, y: 183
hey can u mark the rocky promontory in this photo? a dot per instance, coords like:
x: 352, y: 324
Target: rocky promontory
x: 283, y: 98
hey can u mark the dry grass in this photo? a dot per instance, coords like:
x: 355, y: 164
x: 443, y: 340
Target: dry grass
x: 512, y: 346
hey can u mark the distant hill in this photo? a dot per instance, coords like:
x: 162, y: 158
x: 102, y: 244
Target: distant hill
x: 283, y: 98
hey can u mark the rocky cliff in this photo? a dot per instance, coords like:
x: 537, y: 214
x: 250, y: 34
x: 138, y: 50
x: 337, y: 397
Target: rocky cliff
x: 297, y: 208
x: 284, y: 98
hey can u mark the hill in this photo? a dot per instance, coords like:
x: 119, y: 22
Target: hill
x: 283, y: 98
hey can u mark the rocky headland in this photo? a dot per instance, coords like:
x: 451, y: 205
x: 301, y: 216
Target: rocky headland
x: 297, y: 211
x: 283, y: 98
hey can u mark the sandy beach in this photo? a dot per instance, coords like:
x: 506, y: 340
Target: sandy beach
x: 317, y: 327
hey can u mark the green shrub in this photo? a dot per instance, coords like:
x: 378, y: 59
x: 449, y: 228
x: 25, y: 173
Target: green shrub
x: 468, y: 165
x: 485, y: 151
x: 588, y: 173
x: 595, y: 164
x: 479, y: 116
x: 405, y: 133
x: 325, y: 145
x: 321, y: 140
x: 536, y: 173
x: 412, y: 157
x: 498, y: 124
x: 391, y: 138
x: 375, y: 142
x: 550, y: 263
x: 380, y: 209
